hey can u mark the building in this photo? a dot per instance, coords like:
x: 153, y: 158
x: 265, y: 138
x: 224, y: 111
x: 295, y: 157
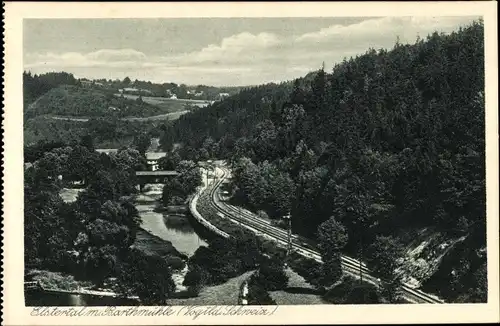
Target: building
x: 86, y: 83
x: 223, y: 96
x: 106, y: 150
x: 152, y: 159
x: 130, y: 90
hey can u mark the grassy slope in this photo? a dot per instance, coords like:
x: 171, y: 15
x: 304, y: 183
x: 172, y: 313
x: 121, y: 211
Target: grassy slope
x: 223, y: 294
x: 73, y: 102
x: 297, y: 292
x: 169, y: 105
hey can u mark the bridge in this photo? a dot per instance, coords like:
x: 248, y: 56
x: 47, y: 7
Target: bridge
x: 144, y: 177
x: 33, y: 285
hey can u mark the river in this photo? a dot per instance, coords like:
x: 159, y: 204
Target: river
x: 170, y: 227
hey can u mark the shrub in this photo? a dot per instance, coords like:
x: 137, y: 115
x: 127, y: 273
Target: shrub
x: 196, y: 276
x: 175, y: 263
x: 352, y: 291
x: 271, y: 275
x: 194, y: 290
x: 308, y: 268
x: 176, y: 200
x: 257, y: 295
x: 262, y: 214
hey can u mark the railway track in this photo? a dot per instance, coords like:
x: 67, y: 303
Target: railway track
x: 263, y: 227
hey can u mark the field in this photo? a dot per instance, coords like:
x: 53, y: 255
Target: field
x: 69, y: 195
x: 169, y: 105
x: 167, y: 116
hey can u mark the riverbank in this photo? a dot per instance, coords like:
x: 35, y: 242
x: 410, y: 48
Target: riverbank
x: 56, y: 281
x: 222, y: 294
x: 153, y: 245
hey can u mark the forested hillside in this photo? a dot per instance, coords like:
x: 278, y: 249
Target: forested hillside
x: 60, y: 94
x: 35, y: 86
x: 387, y: 141
x: 68, y: 100
x: 106, y: 132
x: 232, y: 119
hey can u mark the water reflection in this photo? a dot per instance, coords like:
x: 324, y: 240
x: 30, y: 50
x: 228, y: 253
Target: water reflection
x: 167, y: 226
x: 178, y: 222
x: 41, y: 298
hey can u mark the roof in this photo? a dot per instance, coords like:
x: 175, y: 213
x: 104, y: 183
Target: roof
x: 155, y: 155
x: 156, y: 173
x: 106, y: 150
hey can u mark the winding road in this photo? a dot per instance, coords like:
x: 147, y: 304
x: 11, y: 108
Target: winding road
x: 264, y: 228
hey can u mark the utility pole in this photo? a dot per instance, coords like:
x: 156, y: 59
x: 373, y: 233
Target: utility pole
x: 209, y: 166
x: 360, y: 257
x: 288, y: 218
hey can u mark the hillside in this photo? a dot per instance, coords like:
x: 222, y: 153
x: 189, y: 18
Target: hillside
x: 233, y: 117
x: 105, y: 132
x: 76, y: 101
x: 389, y: 142
x: 68, y: 112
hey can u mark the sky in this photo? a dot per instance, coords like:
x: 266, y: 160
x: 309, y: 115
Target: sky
x: 214, y: 51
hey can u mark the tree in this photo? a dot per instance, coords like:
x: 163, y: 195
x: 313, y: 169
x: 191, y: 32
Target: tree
x: 351, y: 291
x: 384, y: 257
x: 141, y: 143
x: 87, y: 142
x: 332, y: 239
x: 128, y: 159
x: 189, y: 177
x: 169, y: 162
x: 100, y: 262
x: 257, y: 295
x: 148, y: 277
x: 196, y: 276
x: 126, y: 82
x: 271, y: 275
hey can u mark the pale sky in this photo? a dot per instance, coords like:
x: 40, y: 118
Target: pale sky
x: 213, y: 51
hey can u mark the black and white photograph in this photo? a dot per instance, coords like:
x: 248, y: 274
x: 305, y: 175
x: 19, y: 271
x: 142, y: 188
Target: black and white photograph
x: 254, y: 161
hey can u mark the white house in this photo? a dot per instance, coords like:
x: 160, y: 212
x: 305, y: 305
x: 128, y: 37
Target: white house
x: 152, y: 159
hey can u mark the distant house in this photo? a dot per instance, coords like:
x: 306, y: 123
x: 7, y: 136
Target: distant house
x: 223, y: 96
x: 86, y: 83
x: 173, y: 97
x: 130, y: 90
x: 145, y: 92
x: 106, y: 150
x: 137, y: 91
x: 152, y: 159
